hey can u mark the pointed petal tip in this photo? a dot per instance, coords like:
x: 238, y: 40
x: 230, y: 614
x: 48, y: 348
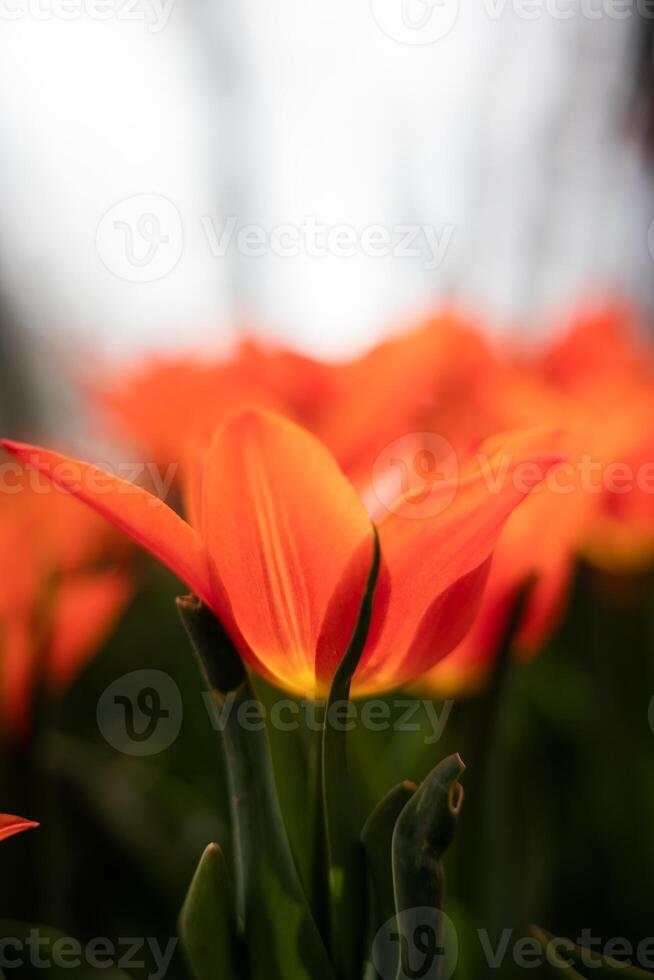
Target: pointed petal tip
x: 11, y: 825
x: 21, y: 449
x: 14, y: 447
x: 244, y: 417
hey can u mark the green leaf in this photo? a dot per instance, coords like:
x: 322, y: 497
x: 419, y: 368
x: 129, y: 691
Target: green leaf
x: 38, y: 949
x: 423, y: 832
x: 343, y: 822
x: 207, y: 923
x: 295, y: 760
x: 272, y: 911
x: 377, y: 837
x: 570, y: 960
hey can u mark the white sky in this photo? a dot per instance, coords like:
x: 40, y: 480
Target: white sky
x: 501, y: 137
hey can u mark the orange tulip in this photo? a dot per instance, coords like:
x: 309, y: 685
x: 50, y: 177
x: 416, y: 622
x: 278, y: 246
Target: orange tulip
x: 14, y: 825
x: 170, y: 407
x: 607, y: 366
x: 596, y: 383
x: 279, y: 545
x: 57, y: 603
x: 443, y: 379
x: 521, y: 556
x: 402, y: 386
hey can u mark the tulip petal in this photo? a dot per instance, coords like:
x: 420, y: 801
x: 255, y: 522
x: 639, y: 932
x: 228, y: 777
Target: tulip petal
x: 399, y: 387
x: 283, y: 527
x: 87, y: 606
x: 10, y: 825
x: 436, y: 566
x: 140, y: 514
x: 18, y: 669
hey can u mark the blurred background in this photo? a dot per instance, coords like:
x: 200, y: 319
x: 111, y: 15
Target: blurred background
x: 175, y: 171
x: 492, y: 153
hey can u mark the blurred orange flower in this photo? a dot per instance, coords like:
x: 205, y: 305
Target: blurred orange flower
x: 58, y: 597
x: 10, y: 825
x: 279, y: 545
x: 597, y: 384
x: 421, y: 402
x: 606, y: 365
x: 404, y: 385
x: 170, y: 407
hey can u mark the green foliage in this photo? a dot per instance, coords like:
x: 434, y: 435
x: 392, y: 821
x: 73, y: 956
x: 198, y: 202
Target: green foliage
x: 207, y: 923
x: 279, y: 933
x: 567, y: 959
x: 544, y: 835
x: 267, y: 929
x: 343, y: 822
x: 377, y: 838
x: 41, y: 950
